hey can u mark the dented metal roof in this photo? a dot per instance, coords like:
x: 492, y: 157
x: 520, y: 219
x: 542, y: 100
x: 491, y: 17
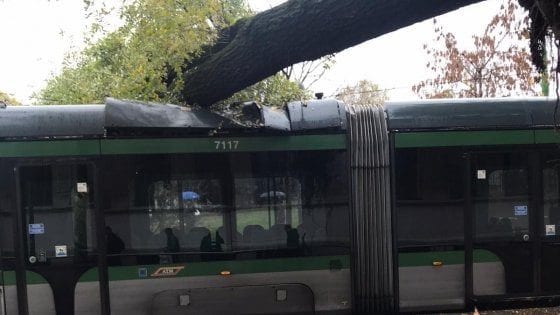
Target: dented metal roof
x: 139, y: 118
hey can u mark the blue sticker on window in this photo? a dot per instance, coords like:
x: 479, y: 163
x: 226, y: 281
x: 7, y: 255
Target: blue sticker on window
x: 520, y: 210
x: 36, y: 228
x: 142, y: 272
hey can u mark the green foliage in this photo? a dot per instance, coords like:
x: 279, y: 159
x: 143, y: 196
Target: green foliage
x: 157, y: 37
x: 7, y: 99
x: 140, y: 59
x: 275, y: 90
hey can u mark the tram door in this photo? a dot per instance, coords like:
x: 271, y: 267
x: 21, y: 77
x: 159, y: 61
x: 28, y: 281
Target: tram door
x: 549, y: 227
x: 502, y: 210
x: 58, y: 242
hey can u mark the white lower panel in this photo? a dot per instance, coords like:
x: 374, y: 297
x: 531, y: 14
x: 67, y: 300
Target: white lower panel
x: 331, y: 289
x: 432, y: 287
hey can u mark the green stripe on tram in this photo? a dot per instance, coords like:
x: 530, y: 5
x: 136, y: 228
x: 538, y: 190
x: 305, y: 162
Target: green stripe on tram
x: 463, y: 138
x: 41, y: 148
x: 213, y: 268
x: 30, y: 277
x: 49, y: 148
x: 420, y: 259
x: 223, y: 144
x: 547, y: 136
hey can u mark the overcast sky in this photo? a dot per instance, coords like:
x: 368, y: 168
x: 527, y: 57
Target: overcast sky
x: 36, y: 34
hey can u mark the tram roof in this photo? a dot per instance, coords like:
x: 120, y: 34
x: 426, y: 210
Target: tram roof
x: 131, y: 118
x: 475, y: 114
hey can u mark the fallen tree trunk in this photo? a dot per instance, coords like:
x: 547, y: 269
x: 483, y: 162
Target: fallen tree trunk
x: 550, y: 10
x: 296, y: 31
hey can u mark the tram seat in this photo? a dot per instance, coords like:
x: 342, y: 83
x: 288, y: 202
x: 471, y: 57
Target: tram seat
x: 254, y: 236
x: 236, y: 239
x: 195, y: 237
x: 277, y: 236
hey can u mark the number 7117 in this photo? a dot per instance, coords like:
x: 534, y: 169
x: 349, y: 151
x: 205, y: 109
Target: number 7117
x: 226, y: 145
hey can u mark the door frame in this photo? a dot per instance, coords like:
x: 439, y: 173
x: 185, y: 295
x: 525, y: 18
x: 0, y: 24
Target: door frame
x: 535, y: 218
x: 20, y: 231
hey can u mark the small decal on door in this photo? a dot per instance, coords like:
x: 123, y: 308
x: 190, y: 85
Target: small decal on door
x: 519, y: 210
x: 60, y: 251
x: 550, y: 229
x: 82, y: 187
x: 36, y: 228
x: 481, y: 174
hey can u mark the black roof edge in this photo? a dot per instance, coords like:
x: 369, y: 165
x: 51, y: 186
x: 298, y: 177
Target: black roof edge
x: 471, y: 114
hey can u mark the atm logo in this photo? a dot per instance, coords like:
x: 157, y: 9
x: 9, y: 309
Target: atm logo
x: 167, y: 271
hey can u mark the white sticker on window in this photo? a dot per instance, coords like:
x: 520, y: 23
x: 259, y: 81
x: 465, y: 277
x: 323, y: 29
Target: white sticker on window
x: 36, y: 228
x: 81, y: 187
x: 520, y: 210
x: 60, y: 251
x: 481, y: 174
x: 550, y: 229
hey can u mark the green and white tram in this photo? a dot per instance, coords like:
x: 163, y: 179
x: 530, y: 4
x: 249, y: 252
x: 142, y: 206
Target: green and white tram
x: 317, y: 208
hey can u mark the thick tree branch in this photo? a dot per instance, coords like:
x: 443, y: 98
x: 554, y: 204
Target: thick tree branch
x: 551, y: 12
x: 299, y: 31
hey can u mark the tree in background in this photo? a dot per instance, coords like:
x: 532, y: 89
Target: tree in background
x: 364, y: 92
x: 157, y: 40
x: 7, y: 99
x: 498, y: 65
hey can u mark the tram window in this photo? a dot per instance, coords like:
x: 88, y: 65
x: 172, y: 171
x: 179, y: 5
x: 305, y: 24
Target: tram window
x: 429, y: 189
x: 184, y: 204
x: 551, y: 194
x: 502, y: 200
x: 191, y: 207
x: 291, y: 200
x: 155, y: 199
x: 273, y: 204
x: 229, y: 202
x: 51, y: 198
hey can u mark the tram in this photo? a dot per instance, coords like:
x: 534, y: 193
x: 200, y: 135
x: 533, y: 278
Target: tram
x: 315, y: 208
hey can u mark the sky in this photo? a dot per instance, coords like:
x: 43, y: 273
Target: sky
x: 36, y: 34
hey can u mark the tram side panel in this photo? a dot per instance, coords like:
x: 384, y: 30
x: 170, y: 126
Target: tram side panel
x: 429, y: 208
x: 430, y: 205
x: 196, y: 227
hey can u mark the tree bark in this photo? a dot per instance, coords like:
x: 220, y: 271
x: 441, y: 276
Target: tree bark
x: 551, y: 12
x: 296, y: 31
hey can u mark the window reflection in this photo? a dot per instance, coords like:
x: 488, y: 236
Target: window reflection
x: 266, y: 211
x: 502, y: 199
x: 430, y: 201
x: 58, y: 205
x: 275, y: 203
